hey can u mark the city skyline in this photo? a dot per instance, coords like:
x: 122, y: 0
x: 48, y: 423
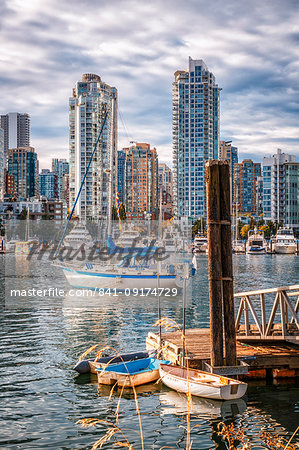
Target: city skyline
x: 252, y: 50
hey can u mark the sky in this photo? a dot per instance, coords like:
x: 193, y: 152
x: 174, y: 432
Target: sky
x: 250, y: 46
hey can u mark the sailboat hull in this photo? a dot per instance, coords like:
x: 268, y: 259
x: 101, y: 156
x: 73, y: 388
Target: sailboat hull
x: 120, y: 281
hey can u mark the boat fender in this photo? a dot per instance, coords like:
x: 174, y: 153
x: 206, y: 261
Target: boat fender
x: 82, y: 366
x: 171, y: 269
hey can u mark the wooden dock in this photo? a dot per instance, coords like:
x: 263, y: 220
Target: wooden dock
x: 267, y: 343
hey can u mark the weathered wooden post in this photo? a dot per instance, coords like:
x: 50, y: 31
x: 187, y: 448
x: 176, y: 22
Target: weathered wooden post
x: 227, y: 266
x: 215, y: 269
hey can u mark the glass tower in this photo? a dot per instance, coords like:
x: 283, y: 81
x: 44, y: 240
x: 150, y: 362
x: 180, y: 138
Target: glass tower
x: 23, y: 166
x: 2, y: 166
x: 280, y: 189
x: 195, y: 136
x: 91, y: 99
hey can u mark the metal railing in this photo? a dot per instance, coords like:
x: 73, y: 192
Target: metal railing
x: 274, y: 314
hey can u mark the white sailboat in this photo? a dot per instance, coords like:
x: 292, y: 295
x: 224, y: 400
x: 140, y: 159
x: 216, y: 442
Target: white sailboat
x: 25, y: 247
x: 137, y: 269
x: 238, y: 245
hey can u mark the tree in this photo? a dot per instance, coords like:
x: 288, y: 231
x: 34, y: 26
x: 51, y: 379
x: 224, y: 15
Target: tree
x: 122, y: 212
x: 271, y: 227
x: 23, y: 214
x: 199, y: 225
x: 240, y: 226
x: 244, y: 231
x: 114, y: 213
x: 260, y: 223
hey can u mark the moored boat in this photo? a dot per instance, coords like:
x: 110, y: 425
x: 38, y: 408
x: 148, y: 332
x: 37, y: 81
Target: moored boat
x: 239, y: 246
x: 256, y: 244
x: 200, y: 243
x: 11, y: 246
x: 25, y: 247
x: 132, y: 373
x: 113, y: 276
x: 285, y: 241
x: 91, y: 366
x: 201, y: 384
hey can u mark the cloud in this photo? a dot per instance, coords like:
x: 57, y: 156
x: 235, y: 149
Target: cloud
x: 252, y: 49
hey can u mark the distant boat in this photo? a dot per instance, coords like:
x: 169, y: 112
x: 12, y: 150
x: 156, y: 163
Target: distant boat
x: 285, y: 241
x: 26, y: 246
x: 133, y: 373
x: 200, y: 243
x: 256, y: 243
x: 201, y: 384
x: 91, y: 366
x: 77, y: 236
x: 239, y: 246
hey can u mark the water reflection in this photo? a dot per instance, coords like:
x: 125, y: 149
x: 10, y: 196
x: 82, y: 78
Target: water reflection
x: 41, y: 339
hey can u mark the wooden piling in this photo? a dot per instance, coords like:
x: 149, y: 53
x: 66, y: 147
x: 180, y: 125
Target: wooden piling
x: 214, y: 264
x: 227, y: 266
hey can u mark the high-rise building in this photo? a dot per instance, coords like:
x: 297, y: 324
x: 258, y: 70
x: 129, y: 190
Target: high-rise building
x: 91, y: 100
x: 23, y: 166
x: 259, y: 195
x: 246, y: 175
x: 16, y: 128
x: 228, y: 152
x: 291, y: 210
x: 60, y: 167
x: 280, y: 189
x: 66, y: 189
x: 165, y: 178
x: 2, y: 166
x: 141, y: 181
x: 121, y: 160
x: 195, y: 136
x: 48, y: 184
x: 9, y: 185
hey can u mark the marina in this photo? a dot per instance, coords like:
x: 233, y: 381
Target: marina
x: 221, y: 350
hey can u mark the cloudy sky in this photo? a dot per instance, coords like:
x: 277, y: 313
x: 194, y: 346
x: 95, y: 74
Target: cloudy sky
x: 250, y: 46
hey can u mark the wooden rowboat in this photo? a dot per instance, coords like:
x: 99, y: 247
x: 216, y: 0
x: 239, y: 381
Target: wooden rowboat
x: 91, y: 366
x: 202, y: 384
x: 132, y: 373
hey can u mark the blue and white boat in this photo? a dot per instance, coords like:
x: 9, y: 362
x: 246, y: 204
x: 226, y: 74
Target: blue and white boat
x: 119, y: 277
x: 132, y: 373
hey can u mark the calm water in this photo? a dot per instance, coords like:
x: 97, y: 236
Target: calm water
x: 42, y: 397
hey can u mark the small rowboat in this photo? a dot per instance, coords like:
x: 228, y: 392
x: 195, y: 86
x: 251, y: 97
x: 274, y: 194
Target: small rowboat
x: 202, y: 384
x: 132, y: 373
x: 91, y: 366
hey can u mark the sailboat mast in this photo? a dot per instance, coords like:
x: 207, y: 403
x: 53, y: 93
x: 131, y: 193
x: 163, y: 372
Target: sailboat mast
x: 81, y: 186
x: 110, y: 172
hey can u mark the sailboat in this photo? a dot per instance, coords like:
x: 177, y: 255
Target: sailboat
x: 239, y: 246
x: 25, y: 247
x: 136, y: 269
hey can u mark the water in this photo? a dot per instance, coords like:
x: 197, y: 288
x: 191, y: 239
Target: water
x: 42, y: 398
